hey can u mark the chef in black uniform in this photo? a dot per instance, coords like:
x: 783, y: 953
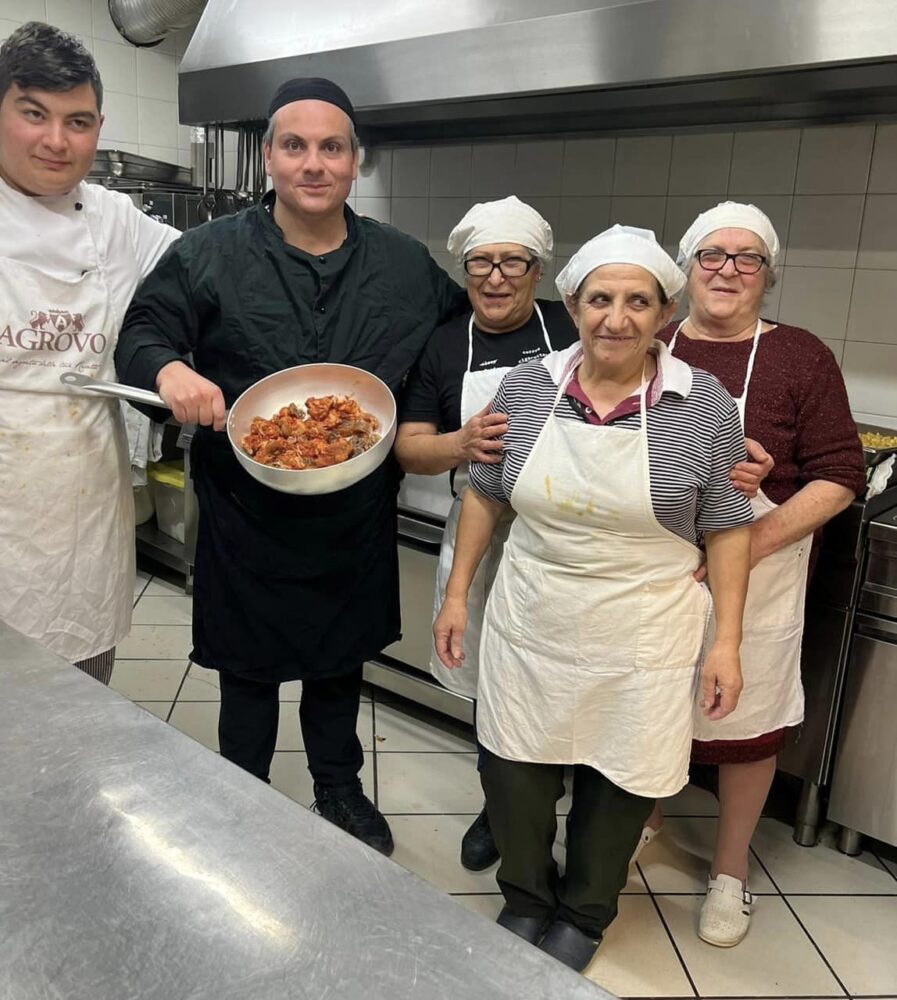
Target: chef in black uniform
x: 290, y: 587
x: 502, y: 247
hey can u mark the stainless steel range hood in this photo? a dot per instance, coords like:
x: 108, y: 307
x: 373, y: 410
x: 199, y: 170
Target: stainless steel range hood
x: 440, y: 71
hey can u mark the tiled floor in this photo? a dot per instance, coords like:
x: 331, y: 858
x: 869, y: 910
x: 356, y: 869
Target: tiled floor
x: 824, y: 925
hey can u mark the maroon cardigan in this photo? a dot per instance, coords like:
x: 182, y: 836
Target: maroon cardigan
x: 796, y: 408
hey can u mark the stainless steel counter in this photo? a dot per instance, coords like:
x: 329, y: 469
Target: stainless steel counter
x: 134, y: 863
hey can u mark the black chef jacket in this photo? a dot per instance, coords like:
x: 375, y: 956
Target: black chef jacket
x: 287, y: 586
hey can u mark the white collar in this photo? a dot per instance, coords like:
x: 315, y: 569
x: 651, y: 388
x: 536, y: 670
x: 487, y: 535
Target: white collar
x: 675, y: 374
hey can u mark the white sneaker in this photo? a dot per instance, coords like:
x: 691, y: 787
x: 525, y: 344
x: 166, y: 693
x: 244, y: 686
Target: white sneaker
x: 725, y: 913
x: 648, y: 834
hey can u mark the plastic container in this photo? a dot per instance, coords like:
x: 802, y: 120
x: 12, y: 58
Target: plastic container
x: 167, y: 483
x: 144, y: 508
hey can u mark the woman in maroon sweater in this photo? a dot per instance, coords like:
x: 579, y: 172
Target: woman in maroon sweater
x: 792, y: 400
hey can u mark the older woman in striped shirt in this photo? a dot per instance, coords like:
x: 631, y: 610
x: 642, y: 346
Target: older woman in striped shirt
x: 616, y: 460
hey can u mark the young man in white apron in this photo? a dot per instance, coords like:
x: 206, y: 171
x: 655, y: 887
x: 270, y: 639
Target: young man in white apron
x: 71, y: 256
x: 500, y: 245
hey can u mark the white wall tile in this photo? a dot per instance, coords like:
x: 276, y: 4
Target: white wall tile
x: 883, y: 175
x: 450, y: 171
x: 642, y: 165
x: 645, y: 212
x: 373, y: 208
x: 375, y: 174
x: 103, y: 26
x: 580, y: 220
x: 492, y: 170
x: 778, y: 208
x: 834, y: 160
x: 117, y: 65
x: 872, y: 308
x: 158, y: 122
x: 869, y: 374
x: 538, y: 169
x: 70, y: 15
x: 878, y: 242
x: 125, y: 147
x: 700, y: 163
x: 7, y: 27
x: 23, y: 10
x: 412, y: 216
x: 816, y: 298
x: 825, y: 230
x: 120, y: 112
x: 769, y: 308
x: 157, y: 75
x: 682, y: 212
x: 445, y: 213
x: 546, y: 288
x: 764, y: 162
x: 168, y: 154
x: 588, y: 167
x: 411, y: 172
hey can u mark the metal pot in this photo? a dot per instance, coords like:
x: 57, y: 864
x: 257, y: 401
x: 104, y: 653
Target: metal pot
x: 267, y: 396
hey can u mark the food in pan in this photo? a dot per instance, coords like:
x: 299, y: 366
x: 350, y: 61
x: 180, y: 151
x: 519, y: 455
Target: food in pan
x: 329, y: 430
x: 872, y: 439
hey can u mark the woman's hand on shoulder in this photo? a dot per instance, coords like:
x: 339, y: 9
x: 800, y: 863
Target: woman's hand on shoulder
x: 721, y: 680
x: 479, y: 440
x: 747, y: 476
x: 448, y: 631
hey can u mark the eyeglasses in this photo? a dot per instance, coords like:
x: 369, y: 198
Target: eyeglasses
x: 745, y: 263
x: 510, y: 267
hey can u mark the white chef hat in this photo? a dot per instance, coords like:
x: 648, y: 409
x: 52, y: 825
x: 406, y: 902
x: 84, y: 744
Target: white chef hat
x: 506, y: 221
x: 729, y: 215
x: 622, y: 245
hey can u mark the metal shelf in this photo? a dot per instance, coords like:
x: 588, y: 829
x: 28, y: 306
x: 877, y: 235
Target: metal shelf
x: 166, y: 550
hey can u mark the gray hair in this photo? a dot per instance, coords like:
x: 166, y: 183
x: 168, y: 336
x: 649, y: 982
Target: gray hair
x: 43, y: 57
x: 268, y: 138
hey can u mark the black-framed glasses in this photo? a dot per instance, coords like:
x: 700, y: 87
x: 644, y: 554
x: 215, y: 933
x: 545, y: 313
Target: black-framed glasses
x: 745, y: 263
x: 510, y: 267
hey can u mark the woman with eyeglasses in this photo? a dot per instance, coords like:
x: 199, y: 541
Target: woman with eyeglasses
x: 791, y: 398
x: 445, y: 420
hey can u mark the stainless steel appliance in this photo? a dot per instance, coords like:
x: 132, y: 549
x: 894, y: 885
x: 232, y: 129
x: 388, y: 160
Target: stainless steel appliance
x: 402, y: 667
x: 437, y: 72
x: 864, y: 786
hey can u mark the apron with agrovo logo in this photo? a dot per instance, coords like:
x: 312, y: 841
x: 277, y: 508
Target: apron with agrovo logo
x: 67, y: 531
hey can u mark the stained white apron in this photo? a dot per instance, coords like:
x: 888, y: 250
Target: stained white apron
x: 773, y: 696
x: 67, y: 530
x: 477, y: 389
x: 594, y: 627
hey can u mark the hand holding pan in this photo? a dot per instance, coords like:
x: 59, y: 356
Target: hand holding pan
x: 265, y: 397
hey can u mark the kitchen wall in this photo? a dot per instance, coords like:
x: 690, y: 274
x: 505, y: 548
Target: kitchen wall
x: 140, y: 85
x: 831, y: 193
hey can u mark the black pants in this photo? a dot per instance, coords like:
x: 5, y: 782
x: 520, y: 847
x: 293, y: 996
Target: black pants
x: 328, y: 712
x: 603, y: 828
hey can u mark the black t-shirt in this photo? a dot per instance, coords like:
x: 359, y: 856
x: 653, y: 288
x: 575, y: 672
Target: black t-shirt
x: 432, y: 393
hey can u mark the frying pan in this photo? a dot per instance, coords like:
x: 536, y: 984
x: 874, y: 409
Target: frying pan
x: 266, y: 397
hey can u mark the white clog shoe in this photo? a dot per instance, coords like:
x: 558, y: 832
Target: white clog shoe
x: 725, y: 913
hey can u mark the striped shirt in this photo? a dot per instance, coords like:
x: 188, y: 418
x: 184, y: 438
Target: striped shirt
x: 694, y: 439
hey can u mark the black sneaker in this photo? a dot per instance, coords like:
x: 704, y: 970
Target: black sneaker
x: 347, y: 807
x: 478, y: 850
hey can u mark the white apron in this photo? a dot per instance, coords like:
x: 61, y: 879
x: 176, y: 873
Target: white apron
x: 773, y: 696
x: 67, y: 531
x: 595, y: 626
x: 477, y: 389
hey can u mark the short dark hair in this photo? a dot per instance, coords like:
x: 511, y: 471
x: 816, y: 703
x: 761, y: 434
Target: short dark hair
x: 41, y: 56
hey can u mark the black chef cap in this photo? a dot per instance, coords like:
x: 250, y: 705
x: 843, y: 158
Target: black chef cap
x: 311, y: 88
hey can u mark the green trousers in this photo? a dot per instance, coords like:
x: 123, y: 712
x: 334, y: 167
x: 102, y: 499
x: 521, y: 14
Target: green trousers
x: 603, y: 828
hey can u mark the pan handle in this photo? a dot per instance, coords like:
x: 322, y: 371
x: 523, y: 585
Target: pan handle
x: 114, y: 389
